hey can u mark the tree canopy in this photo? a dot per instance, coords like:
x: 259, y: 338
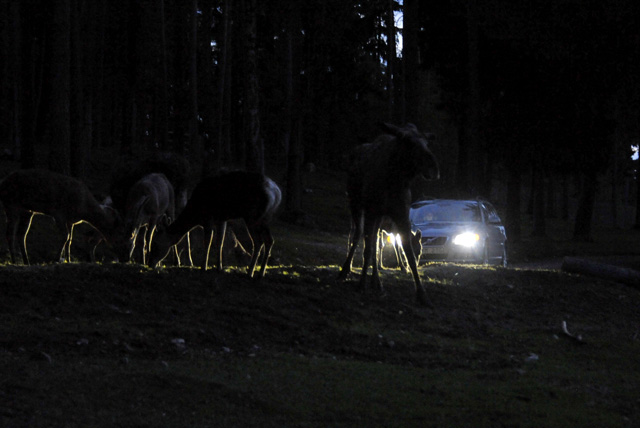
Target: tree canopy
x: 512, y: 89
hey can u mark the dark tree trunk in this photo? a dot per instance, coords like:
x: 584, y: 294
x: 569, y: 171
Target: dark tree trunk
x: 14, y: 85
x: 564, y: 204
x: 584, y: 215
x: 100, y: 98
x: 291, y: 137
x: 391, y: 61
x: 475, y: 164
x: 254, y: 154
x: 514, y: 182
x: 196, y: 151
x: 551, y: 197
x: 79, y: 145
x: 222, y: 154
x: 130, y: 111
x: 60, y: 89
x: 539, y: 221
x: 411, y: 57
x: 163, y: 108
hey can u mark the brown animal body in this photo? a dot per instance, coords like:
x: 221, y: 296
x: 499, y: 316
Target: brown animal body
x: 378, y: 186
x: 27, y: 192
x: 174, y: 166
x: 149, y: 200
x: 215, y: 200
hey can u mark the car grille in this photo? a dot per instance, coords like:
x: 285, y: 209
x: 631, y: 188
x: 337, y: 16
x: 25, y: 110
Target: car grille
x: 428, y: 241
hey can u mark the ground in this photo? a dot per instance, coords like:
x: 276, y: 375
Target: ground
x: 110, y: 344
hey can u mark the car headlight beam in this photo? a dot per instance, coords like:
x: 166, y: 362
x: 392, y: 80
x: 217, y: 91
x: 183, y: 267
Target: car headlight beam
x: 466, y: 239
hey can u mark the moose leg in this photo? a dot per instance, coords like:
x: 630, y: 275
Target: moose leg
x: 375, y: 275
x: 379, y: 249
x: 405, y: 235
x: 356, y: 229
x: 370, y: 233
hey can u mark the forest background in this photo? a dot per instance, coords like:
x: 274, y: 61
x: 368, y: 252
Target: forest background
x: 535, y: 104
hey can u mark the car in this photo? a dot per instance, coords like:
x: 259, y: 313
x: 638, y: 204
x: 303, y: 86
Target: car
x: 460, y: 230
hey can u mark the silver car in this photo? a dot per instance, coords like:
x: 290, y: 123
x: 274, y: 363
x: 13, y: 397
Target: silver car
x: 460, y: 230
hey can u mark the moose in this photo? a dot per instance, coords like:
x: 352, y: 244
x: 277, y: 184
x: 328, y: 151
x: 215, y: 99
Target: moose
x: 150, y: 200
x: 252, y: 197
x: 25, y: 193
x: 378, y: 186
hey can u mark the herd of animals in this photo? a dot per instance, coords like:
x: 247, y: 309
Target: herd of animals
x: 154, y: 196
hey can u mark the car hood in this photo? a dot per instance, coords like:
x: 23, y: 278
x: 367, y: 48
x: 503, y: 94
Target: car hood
x: 447, y: 228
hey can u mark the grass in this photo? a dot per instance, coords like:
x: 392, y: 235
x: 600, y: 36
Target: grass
x: 108, y: 344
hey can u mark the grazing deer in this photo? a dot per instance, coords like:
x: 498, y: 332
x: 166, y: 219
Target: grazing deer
x: 389, y: 234
x: 25, y: 193
x: 378, y: 185
x: 149, y: 201
x: 249, y: 196
x: 174, y: 166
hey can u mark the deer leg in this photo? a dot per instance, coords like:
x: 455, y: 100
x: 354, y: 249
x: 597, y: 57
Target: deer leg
x: 149, y: 229
x: 405, y: 235
x: 263, y: 240
x: 400, y: 256
x: 68, y: 243
x: 256, y: 247
x: 268, y: 244
x: 208, y: 232
x: 177, y: 255
x: 354, y: 238
x: 132, y: 243
x: 221, y: 228
x: 189, y: 247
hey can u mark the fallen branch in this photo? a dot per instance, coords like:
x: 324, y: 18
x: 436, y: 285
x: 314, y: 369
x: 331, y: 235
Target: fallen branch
x: 602, y: 270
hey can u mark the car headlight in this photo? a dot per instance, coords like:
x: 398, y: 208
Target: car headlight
x: 466, y: 239
x: 393, y: 239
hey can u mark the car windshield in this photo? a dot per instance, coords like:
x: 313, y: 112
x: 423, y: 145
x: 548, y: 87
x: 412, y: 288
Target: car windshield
x: 446, y: 211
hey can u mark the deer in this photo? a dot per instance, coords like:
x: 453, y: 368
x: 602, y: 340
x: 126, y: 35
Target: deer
x: 25, y: 193
x: 215, y: 200
x: 149, y: 201
x: 174, y: 166
x: 388, y: 233
x: 378, y: 186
